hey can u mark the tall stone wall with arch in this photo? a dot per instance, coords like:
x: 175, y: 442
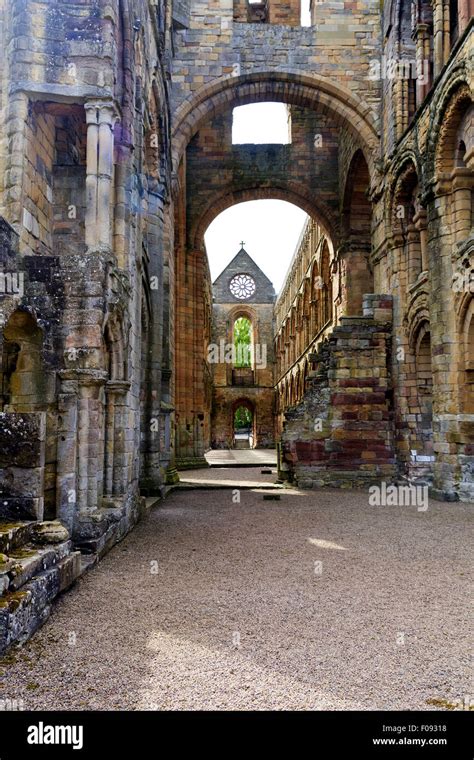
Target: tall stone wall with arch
x: 115, y: 156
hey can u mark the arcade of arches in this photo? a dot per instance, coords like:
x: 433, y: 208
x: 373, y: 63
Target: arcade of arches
x: 116, y: 154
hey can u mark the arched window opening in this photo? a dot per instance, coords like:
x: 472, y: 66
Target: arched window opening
x: 316, y: 285
x: 455, y: 145
x: 243, y: 342
x: 23, y: 378
x: 292, y: 390
x: 424, y: 385
x: 242, y: 354
x: 461, y: 154
x: 10, y: 354
x: 468, y: 386
x: 357, y: 220
x: 357, y: 208
x: 411, y: 219
x: 297, y: 386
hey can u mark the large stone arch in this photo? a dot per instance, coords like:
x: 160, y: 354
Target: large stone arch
x: 417, y: 315
x: 297, y: 195
x: 446, y: 113
x: 309, y: 91
x: 407, y: 178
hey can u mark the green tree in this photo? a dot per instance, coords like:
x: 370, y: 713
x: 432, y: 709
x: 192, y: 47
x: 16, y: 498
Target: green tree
x: 242, y: 418
x: 242, y: 342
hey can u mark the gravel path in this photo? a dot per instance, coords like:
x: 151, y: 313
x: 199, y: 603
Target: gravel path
x: 239, y: 616
x: 250, y: 457
x: 229, y: 476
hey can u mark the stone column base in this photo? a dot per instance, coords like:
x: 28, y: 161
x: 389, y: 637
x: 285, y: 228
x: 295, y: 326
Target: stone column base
x: 171, y: 476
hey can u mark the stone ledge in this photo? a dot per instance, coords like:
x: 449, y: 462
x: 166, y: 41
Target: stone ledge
x: 23, y: 611
x: 191, y: 463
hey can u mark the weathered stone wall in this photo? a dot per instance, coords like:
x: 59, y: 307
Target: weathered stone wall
x: 341, y: 433
x: 261, y: 402
x: 22, y: 465
x: 219, y: 172
x: 340, y: 46
x: 86, y: 184
x: 421, y: 253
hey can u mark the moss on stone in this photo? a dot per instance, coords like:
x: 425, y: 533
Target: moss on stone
x: 22, y: 553
x: 13, y: 600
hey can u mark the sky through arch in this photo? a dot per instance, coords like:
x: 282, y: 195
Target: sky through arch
x: 269, y: 229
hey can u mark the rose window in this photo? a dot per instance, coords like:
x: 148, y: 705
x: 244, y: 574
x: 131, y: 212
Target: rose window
x: 242, y: 286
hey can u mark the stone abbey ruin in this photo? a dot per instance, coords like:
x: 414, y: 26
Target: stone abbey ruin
x: 116, y: 155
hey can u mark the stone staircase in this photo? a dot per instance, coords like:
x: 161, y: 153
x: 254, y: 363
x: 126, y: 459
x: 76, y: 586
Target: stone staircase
x: 340, y: 434
x: 37, y: 563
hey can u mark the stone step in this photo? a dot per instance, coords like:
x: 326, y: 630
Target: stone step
x: 31, y: 561
x: 14, y: 535
x: 23, y: 611
x: 213, y: 486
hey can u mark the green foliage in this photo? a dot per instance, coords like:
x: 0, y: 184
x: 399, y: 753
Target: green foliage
x: 242, y: 418
x: 242, y: 342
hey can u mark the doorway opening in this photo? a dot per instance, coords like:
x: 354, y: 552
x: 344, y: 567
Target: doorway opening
x: 243, y: 421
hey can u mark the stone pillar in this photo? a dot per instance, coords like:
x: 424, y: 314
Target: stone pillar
x: 14, y: 163
x: 117, y: 473
x: 463, y: 182
x: 105, y: 161
x: 446, y: 31
x: 419, y: 221
x: 438, y: 36
x: 101, y: 116
x: 287, y: 354
x: 404, y: 104
x: 306, y: 328
x: 91, y: 175
x: 89, y: 439
x: 399, y: 111
x: 109, y: 433
x: 423, y: 55
x: 66, y: 486
x: 414, y: 253
x: 190, y: 397
x: 357, y: 280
